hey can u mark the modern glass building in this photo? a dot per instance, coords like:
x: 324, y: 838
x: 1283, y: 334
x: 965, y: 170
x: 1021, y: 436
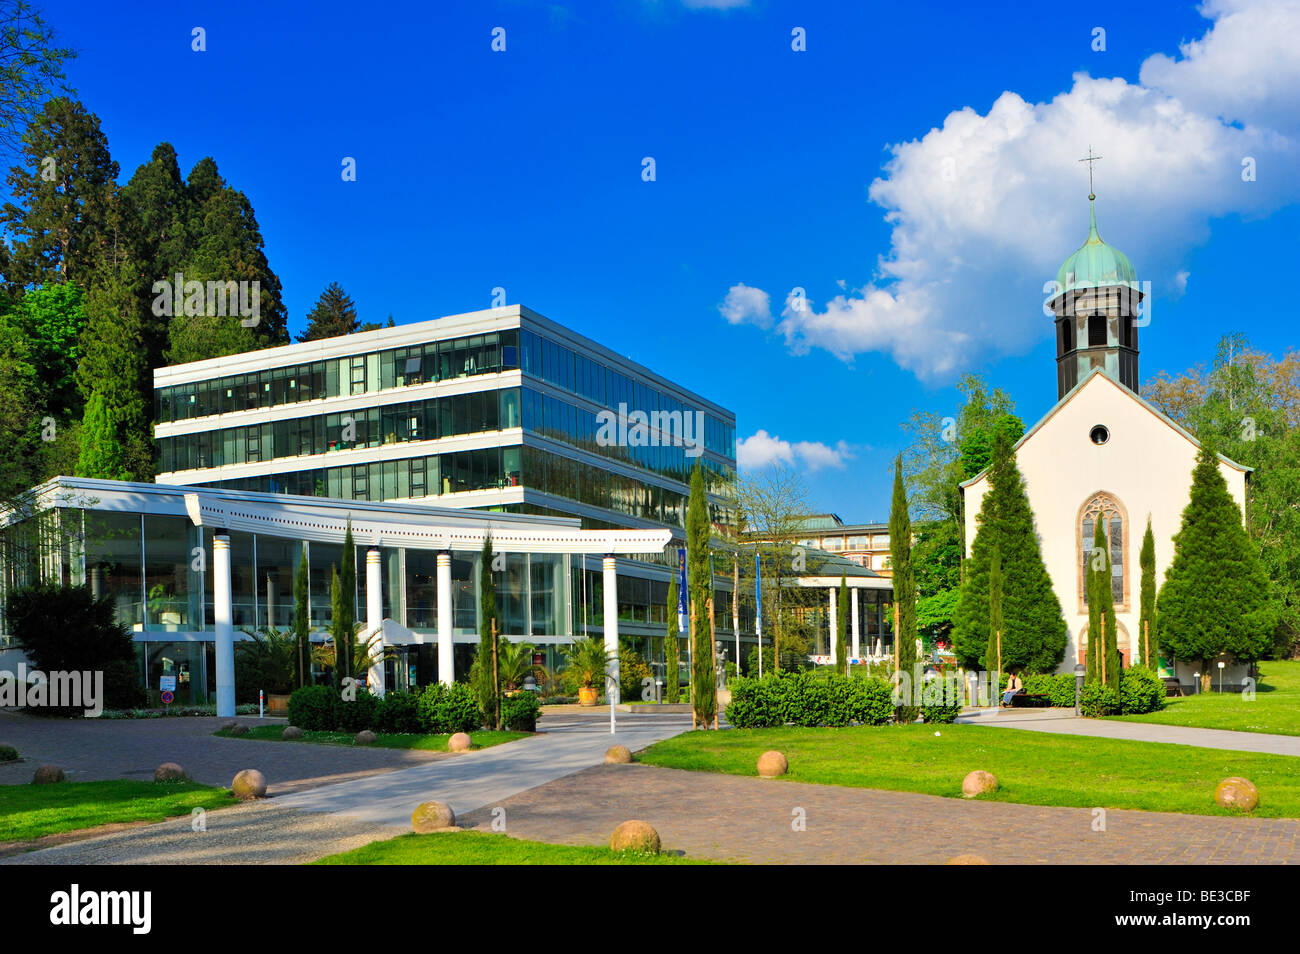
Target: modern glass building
x: 492, y: 410
x: 497, y: 410
x: 190, y: 568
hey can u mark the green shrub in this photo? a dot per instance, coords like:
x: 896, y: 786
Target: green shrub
x: 521, y: 711
x: 8, y: 753
x: 312, y: 707
x: 353, y: 715
x: 122, y: 689
x: 1062, y: 693
x: 398, y: 712
x: 809, y: 699
x: 632, y: 669
x: 945, y: 704
x: 874, y: 701
x: 449, y: 708
x: 1099, y: 700
x: 1140, y: 690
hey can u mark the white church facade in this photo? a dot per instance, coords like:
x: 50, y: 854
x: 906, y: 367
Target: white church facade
x: 1104, y: 453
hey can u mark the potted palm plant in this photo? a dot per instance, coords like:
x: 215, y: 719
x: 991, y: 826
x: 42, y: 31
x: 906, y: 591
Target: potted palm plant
x: 587, y: 659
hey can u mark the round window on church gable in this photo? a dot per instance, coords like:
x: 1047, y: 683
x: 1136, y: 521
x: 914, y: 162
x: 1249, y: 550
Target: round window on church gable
x: 1099, y: 434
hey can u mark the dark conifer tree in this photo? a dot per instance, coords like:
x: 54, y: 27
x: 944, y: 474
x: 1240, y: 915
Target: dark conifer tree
x: 904, y: 579
x: 333, y: 315
x: 1034, y: 631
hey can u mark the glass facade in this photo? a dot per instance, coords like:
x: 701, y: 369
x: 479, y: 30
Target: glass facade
x: 340, y: 377
x: 458, y: 414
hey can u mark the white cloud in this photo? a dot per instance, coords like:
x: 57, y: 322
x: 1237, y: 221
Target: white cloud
x: 985, y: 207
x: 764, y: 449
x: 744, y: 304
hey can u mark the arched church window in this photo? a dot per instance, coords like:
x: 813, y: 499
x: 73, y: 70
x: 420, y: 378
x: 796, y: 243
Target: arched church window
x: 1104, y: 507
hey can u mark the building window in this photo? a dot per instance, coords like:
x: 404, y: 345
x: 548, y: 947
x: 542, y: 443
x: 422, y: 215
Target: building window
x: 1099, y: 434
x: 1097, y: 331
x: 1106, y: 507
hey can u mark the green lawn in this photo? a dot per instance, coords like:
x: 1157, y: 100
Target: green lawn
x: 30, y: 811
x: 1275, y: 708
x: 483, y: 848
x: 482, y: 739
x: 1033, y: 768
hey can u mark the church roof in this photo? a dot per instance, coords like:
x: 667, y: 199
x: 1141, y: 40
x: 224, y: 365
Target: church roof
x: 1095, y: 264
x: 1146, y: 404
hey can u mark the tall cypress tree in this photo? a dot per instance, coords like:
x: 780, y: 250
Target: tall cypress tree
x: 157, y: 192
x: 841, y: 612
x: 1033, y: 628
x: 904, y: 579
x: 302, y: 619
x: 1215, y: 598
x: 343, y: 594
x: 993, y: 655
x: 1103, y: 653
x: 672, y: 651
x: 1148, y: 642
x: 483, y: 675
x: 700, y: 581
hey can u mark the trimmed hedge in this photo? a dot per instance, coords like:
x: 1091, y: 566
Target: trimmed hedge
x: 945, y: 704
x: 1099, y: 700
x: 801, y: 699
x: 398, y: 712
x: 448, y: 708
x: 520, y: 712
x: 324, y: 708
x: 312, y: 707
x: 1140, y: 690
x: 8, y: 753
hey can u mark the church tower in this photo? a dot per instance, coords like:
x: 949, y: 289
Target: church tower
x: 1096, y: 308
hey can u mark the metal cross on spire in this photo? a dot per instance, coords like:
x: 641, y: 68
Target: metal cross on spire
x: 1090, y: 159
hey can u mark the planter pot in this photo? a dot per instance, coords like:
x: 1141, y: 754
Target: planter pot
x: 587, y: 695
x: 277, y: 704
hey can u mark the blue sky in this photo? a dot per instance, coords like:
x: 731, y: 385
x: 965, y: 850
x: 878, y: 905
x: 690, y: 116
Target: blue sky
x: 523, y: 169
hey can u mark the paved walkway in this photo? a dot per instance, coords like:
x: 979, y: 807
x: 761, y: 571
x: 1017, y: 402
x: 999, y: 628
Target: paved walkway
x: 322, y: 819
x: 93, y: 749
x: 750, y: 820
x: 1063, y: 722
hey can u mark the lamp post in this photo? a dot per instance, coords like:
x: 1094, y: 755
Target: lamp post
x: 1080, y: 670
x: 1221, y: 665
x: 1196, y: 677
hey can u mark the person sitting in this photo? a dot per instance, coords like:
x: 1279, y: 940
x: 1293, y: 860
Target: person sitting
x: 1014, y: 685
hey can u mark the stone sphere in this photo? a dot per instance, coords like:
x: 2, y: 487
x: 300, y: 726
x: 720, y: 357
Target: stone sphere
x: 978, y: 783
x: 432, y: 816
x: 47, y: 775
x: 967, y: 860
x: 460, y: 742
x: 169, y: 772
x: 250, y: 783
x: 771, y: 764
x: 635, y: 836
x: 366, y: 737
x: 239, y: 730
x: 1236, y: 792
x: 291, y: 732
x: 618, y: 755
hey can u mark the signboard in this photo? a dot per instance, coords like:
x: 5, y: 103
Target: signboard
x: 167, y: 683
x: 167, y: 697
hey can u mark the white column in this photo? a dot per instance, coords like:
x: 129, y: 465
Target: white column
x: 223, y: 626
x: 853, y: 619
x: 835, y: 616
x: 611, y: 628
x: 375, y: 619
x: 446, y: 658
